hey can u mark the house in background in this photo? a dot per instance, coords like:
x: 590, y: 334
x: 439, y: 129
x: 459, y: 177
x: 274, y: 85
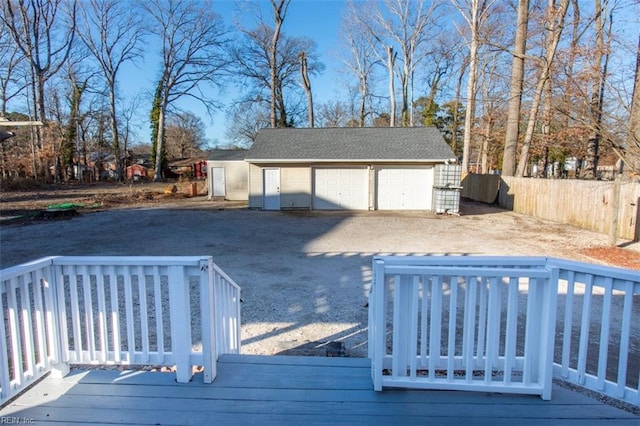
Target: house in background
x: 228, y: 174
x: 357, y: 168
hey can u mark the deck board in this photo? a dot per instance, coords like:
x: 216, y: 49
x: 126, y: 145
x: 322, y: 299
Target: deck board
x: 277, y: 390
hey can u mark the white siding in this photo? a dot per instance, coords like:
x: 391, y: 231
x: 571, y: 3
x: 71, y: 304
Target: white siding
x: 295, y: 190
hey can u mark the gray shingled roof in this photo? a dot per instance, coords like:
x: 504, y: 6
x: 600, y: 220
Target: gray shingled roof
x: 227, y: 155
x: 350, y: 144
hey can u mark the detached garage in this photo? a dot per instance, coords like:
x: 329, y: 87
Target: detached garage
x: 384, y: 168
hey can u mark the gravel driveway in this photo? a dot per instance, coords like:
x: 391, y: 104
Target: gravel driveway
x: 304, y: 275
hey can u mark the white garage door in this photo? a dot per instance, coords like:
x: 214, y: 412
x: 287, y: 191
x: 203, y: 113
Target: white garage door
x: 336, y: 189
x: 404, y: 189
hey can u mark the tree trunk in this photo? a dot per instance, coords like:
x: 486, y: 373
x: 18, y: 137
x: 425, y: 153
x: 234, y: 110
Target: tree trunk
x: 279, y: 13
x: 593, y: 144
x: 114, y: 131
x: 391, y: 59
x: 160, y: 143
x: 364, y: 88
x: 306, y: 84
x: 455, y: 117
x: 515, y: 96
x: 472, y: 78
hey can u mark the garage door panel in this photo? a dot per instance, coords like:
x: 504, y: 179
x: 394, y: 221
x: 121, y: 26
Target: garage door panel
x: 404, y: 188
x: 341, y: 188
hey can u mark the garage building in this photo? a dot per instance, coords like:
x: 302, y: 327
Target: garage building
x: 354, y: 168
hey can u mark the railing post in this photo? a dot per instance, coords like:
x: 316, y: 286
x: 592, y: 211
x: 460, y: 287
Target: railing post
x: 56, y: 292
x: 548, y: 299
x: 378, y: 320
x: 180, y: 322
x: 208, y: 318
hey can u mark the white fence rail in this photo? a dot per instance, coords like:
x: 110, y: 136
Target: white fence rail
x: 491, y: 324
x: 160, y: 311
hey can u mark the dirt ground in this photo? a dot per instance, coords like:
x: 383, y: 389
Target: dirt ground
x: 24, y: 207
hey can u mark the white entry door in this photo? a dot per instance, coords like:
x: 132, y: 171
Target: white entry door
x: 400, y: 188
x: 341, y: 188
x: 217, y: 179
x: 271, y: 194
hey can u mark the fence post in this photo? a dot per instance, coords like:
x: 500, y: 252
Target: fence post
x: 180, y: 322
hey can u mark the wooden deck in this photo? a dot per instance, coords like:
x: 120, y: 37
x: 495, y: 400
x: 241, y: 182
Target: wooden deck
x: 286, y: 390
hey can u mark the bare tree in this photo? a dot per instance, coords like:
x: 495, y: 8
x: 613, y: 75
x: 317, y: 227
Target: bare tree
x: 253, y: 67
x: 333, y: 114
x: 12, y: 82
x: 193, y: 42
x: 359, y: 58
x: 553, y: 28
x: 515, y: 96
x: 112, y: 34
x: 185, y: 135
x: 43, y: 30
x: 399, y: 28
x: 475, y: 13
x: 245, y: 119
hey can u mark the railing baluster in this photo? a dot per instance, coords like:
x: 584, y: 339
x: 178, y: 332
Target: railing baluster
x: 27, y: 334
x: 492, y: 330
x: 157, y: 297
x: 144, y: 314
x: 42, y: 360
x: 482, y: 324
x: 128, y: 300
x: 88, y: 315
x: 451, y: 338
x: 75, y: 312
x: 625, y: 333
x: 397, y: 324
x: 102, y: 316
x: 531, y: 340
x: 470, y: 326
x: 424, y: 321
x: 14, y: 329
x: 511, y: 337
x: 413, y: 335
x: 436, y: 325
x: 604, y: 334
x: 584, y: 330
x: 115, y: 315
x: 5, y: 375
x: 568, y: 322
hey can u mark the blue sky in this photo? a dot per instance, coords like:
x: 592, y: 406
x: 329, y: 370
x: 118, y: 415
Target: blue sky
x: 319, y: 20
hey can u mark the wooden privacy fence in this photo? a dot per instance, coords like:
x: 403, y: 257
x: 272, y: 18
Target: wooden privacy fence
x: 504, y: 324
x: 178, y: 311
x: 583, y: 203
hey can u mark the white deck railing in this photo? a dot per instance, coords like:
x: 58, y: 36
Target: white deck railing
x: 161, y: 311
x: 489, y: 324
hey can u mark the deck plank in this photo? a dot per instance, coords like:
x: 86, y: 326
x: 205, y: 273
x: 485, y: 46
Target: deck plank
x: 277, y: 390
